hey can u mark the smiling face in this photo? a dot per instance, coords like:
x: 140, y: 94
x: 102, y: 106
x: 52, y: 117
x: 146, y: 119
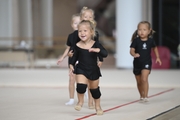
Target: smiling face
x: 143, y: 31
x: 84, y: 32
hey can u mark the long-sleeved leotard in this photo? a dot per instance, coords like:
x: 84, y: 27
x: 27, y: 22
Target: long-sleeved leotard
x: 77, y: 39
x: 87, y: 61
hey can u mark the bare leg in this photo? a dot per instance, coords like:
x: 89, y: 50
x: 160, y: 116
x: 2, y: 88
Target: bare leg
x: 95, y: 85
x: 80, y: 99
x: 80, y: 79
x: 71, y: 86
x: 86, y: 94
x: 90, y: 99
x: 144, y: 78
x: 71, y: 89
x: 139, y: 85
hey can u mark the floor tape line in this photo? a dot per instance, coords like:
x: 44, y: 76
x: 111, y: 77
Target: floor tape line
x: 116, y: 107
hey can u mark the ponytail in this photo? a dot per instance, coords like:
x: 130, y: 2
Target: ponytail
x: 135, y: 35
x: 151, y: 33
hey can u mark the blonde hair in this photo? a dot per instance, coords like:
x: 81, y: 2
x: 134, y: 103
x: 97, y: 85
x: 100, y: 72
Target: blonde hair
x: 74, y: 16
x: 135, y: 34
x: 92, y: 25
x: 84, y: 9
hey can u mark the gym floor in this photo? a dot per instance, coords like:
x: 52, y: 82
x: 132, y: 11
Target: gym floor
x: 40, y: 94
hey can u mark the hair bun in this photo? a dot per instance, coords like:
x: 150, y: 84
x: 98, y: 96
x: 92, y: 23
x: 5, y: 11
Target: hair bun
x: 85, y: 7
x: 92, y: 21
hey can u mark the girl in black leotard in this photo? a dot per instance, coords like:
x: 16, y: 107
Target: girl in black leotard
x: 70, y: 43
x: 87, y: 14
x: 140, y: 49
x: 87, y: 70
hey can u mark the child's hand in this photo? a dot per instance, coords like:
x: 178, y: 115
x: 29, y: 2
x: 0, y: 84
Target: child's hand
x: 71, y: 68
x: 158, y: 61
x: 70, y: 72
x: 59, y: 61
x: 99, y: 63
x: 94, y: 50
x: 136, y: 55
x: 70, y: 54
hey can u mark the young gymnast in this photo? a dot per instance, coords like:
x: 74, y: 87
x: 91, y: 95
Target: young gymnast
x: 87, y: 70
x: 87, y: 14
x: 70, y: 41
x: 140, y: 49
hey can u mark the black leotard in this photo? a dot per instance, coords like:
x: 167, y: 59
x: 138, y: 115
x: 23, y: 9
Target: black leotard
x: 76, y: 39
x: 87, y: 61
x: 144, y: 50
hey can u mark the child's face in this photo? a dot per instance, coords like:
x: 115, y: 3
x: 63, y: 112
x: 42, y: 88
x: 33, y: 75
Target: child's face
x: 84, y: 32
x: 143, y: 31
x: 75, y: 23
x: 88, y: 15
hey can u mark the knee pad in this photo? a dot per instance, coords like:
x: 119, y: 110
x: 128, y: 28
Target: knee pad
x: 96, y: 94
x: 81, y: 88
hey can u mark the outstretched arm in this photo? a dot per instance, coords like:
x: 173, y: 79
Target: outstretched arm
x: 64, y: 55
x: 158, y: 60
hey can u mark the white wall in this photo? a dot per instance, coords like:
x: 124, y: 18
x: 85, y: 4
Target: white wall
x: 128, y: 15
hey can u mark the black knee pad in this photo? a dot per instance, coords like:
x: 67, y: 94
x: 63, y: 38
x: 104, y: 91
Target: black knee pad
x: 81, y: 88
x: 96, y: 94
